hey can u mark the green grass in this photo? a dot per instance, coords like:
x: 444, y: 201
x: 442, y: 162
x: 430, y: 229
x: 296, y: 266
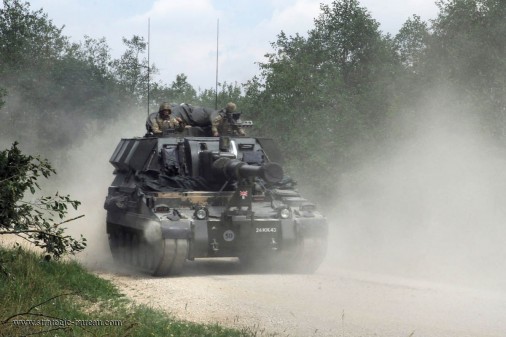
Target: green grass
x: 64, y: 292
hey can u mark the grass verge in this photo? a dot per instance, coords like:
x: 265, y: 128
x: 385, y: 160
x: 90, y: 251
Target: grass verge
x: 60, y: 298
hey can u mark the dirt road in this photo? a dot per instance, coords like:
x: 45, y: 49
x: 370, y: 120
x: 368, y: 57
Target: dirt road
x: 331, y: 302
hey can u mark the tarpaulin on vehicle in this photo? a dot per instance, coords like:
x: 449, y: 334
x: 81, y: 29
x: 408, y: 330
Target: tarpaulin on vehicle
x: 193, y: 115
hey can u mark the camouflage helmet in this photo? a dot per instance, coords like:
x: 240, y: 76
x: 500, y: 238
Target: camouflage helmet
x: 164, y: 106
x: 230, y: 107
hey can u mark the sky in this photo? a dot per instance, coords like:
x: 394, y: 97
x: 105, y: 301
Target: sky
x: 183, y: 33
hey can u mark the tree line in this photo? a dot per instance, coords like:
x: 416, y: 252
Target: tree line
x: 319, y: 93
x: 53, y: 87
x: 337, y: 93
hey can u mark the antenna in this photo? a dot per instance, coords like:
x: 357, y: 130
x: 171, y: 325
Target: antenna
x: 149, y: 66
x: 217, y: 46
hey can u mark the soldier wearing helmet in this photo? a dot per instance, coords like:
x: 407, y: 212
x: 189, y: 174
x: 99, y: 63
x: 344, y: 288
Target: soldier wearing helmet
x: 223, y: 121
x: 162, y: 120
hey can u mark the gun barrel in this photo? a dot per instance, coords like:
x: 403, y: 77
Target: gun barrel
x: 233, y: 168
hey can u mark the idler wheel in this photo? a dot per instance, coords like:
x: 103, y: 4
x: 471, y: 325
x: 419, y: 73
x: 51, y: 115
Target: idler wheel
x: 172, y: 253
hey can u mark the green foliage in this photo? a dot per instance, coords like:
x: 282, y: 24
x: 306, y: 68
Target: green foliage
x: 331, y: 98
x: 323, y: 94
x: 463, y: 49
x: 349, y: 39
x: 39, y: 222
x: 28, y: 38
x: 411, y: 45
x: 469, y: 41
x: 2, y: 95
x: 56, y: 88
x: 411, y: 42
x: 180, y: 91
x: 227, y: 92
x: 131, y: 71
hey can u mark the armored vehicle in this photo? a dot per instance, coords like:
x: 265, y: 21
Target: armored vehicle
x: 186, y: 195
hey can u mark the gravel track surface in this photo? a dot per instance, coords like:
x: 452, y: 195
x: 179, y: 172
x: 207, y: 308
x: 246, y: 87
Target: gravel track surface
x: 331, y: 302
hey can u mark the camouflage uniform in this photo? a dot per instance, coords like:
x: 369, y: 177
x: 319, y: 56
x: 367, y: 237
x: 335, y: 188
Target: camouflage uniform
x: 220, y: 125
x: 158, y: 122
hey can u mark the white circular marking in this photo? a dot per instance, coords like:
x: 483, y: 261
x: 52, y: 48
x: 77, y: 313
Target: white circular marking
x: 228, y: 235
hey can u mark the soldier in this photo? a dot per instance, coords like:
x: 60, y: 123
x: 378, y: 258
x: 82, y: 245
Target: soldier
x: 162, y: 120
x: 222, y: 121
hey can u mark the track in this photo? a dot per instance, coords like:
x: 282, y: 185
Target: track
x: 167, y: 257
x: 159, y: 258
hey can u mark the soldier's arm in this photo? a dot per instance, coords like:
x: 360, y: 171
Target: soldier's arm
x: 215, y: 124
x: 154, y: 125
x: 241, y: 131
x: 179, y: 124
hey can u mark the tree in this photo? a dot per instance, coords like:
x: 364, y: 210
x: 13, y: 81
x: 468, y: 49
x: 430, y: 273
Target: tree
x: 96, y: 53
x: 411, y: 43
x: 30, y: 45
x: 349, y: 38
x: 181, y: 91
x: 33, y: 221
x: 28, y: 38
x: 227, y: 92
x: 50, y: 80
x: 323, y: 94
x: 2, y: 95
x: 467, y: 51
x: 131, y: 71
x: 467, y: 40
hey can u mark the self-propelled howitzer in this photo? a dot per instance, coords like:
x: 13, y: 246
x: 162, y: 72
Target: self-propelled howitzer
x: 183, y: 196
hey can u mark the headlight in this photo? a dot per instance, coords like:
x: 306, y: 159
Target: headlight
x: 307, y: 207
x: 201, y: 213
x: 162, y: 209
x: 284, y: 213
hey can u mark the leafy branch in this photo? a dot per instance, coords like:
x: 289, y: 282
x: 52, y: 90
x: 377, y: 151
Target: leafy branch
x: 34, y: 221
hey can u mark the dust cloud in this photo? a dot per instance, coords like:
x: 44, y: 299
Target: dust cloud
x: 428, y: 206
x: 86, y: 175
x: 83, y: 172
x: 431, y: 206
